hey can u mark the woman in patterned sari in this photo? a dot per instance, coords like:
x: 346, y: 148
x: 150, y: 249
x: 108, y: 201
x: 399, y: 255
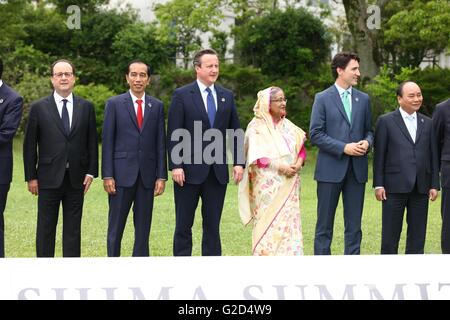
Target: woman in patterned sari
x: 269, y: 191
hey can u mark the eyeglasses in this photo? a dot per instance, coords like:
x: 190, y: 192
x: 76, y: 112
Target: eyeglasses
x: 61, y: 74
x: 279, y: 100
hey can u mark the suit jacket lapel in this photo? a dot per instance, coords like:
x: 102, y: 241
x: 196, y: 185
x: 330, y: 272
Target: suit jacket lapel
x: 401, y: 124
x: 199, y: 104
x: 420, y: 123
x: 147, y: 111
x: 355, y: 105
x: 128, y: 104
x: 336, y: 99
x: 53, y: 109
x: 221, y: 103
x: 3, y: 93
x: 76, y: 115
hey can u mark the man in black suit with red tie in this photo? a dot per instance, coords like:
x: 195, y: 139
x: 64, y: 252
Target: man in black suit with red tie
x: 441, y: 126
x: 60, y: 155
x: 10, y: 113
x: 405, y: 170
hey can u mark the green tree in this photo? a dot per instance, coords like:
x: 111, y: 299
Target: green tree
x: 11, y: 24
x: 97, y: 94
x: 84, y: 5
x: 419, y: 31
x: 284, y: 43
x: 182, y: 21
x: 139, y: 41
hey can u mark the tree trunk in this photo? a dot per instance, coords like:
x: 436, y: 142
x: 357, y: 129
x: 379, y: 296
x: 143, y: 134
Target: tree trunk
x: 365, y: 40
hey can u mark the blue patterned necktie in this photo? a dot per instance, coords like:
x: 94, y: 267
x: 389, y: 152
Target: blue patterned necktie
x: 211, y: 107
x: 347, y: 107
x: 65, y: 117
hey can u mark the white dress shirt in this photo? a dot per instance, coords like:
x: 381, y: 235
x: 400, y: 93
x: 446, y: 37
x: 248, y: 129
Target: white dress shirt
x: 410, y: 122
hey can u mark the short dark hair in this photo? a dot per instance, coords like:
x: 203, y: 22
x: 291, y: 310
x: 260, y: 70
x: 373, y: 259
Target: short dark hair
x: 400, y: 87
x: 341, y: 60
x: 196, y: 61
x: 62, y: 60
x: 138, y: 61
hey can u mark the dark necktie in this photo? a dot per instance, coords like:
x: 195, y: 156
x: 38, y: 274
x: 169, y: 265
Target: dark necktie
x: 139, y: 115
x: 211, y: 107
x: 65, y: 117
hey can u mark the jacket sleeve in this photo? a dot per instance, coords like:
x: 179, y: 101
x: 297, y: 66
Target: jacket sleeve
x: 108, y: 137
x: 175, y: 121
x: 92, y: 143
x: 30, y: 145
x: 380, y: 149
x: 161, y: 169
x: 11, y: 119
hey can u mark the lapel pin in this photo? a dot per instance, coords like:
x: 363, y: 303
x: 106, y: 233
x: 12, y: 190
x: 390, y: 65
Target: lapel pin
x: 1, y: 100
x: 356, y: 99
x: 223, y: 100
x: 149, y: 105
x: 421, y: 120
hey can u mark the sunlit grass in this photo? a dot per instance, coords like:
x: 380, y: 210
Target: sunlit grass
x: 21, y: 211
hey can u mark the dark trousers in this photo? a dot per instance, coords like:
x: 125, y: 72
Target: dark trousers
x: 445, y: 212
x: 119, y: 206
x: 212, y: 194
x: 49, y: 201
x: 4, y: 188
x: 393, y: 208
x: 327, y: 201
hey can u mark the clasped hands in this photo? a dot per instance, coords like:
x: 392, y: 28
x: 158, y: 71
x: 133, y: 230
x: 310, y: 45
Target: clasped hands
x: 356, y: 148
x: 289, y: 170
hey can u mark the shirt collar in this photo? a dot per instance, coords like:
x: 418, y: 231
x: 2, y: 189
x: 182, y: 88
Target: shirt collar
x: 134, y: 98
x: 202, y: 87
x: 58, y: 98
x: 341, y: 90
x: 1, y: 83
x: 406, y: 114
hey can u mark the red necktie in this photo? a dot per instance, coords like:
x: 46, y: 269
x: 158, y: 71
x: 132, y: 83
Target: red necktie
x: 139, y: 113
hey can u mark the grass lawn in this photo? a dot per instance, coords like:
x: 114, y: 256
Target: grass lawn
x: 21, y: 212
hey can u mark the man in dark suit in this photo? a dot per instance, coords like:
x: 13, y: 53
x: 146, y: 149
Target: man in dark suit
x: 200, y: 106
x: 441, y: 126
x: 341, y: 128
x: 10, y: 114
x: 60, y: 155
x: 134, y: 166
x: 405, y: 170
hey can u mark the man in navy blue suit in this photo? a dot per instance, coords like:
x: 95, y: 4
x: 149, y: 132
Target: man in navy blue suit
x: 10, y: 113
x: 205, y: 105
x: 133, y: 160
x: 441, y: 127
x: 341, y: 128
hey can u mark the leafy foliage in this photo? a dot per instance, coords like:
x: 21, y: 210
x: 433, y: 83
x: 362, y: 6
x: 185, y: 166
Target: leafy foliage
x: 283, y: 43
x: 97, y: 94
